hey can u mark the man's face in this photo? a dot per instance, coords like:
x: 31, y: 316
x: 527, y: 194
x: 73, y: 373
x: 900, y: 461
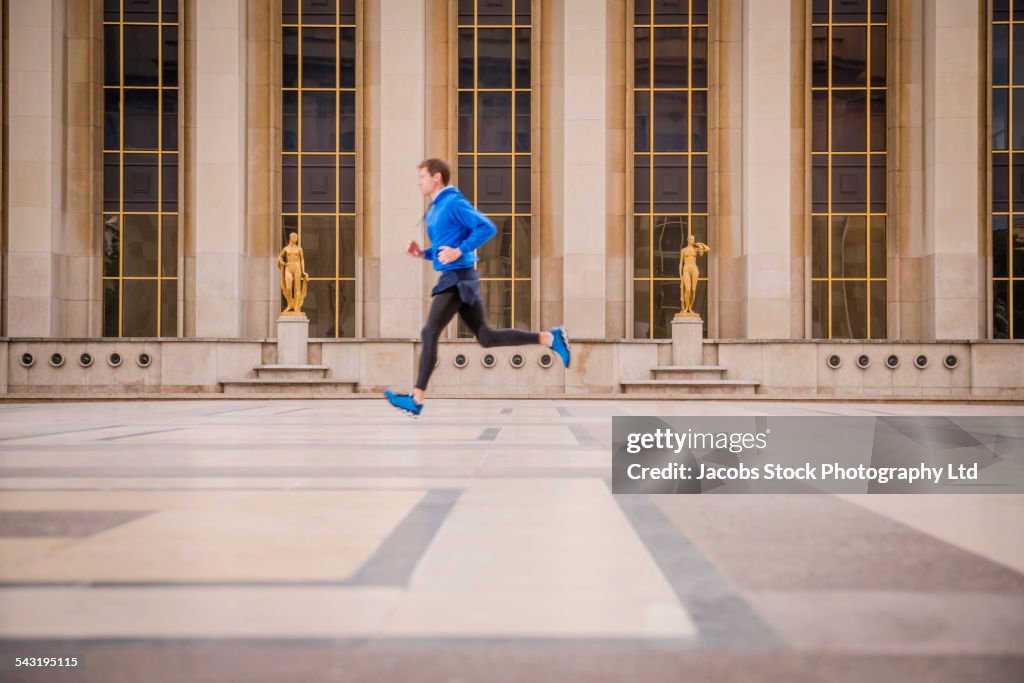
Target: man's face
x: 428, y: 183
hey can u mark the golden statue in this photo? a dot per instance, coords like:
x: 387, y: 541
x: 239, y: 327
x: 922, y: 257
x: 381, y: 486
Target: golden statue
x: 294, y: 278
x: 688, y: 275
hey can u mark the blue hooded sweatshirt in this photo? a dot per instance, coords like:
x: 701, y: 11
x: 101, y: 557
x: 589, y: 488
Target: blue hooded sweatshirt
x: 452, y: 221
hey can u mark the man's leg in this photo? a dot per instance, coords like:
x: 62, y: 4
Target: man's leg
x: 442, y: 309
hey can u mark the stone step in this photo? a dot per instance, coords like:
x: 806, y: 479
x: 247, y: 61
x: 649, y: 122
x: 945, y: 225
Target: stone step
x: 711, y: 372
x: 318, y: 386
x: 675, y: 387
x: 296, y: 372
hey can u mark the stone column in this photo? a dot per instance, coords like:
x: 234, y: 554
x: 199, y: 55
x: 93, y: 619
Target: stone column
x: 35, y: 120
x: 767, y: 131
x: 586, y: 166
x: 220, y: 167
x: 402, y: 141
x: 953, y: 268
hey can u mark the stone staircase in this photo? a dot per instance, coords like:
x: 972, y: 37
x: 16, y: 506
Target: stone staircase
x: 702, y: 380
x: 308, y: 380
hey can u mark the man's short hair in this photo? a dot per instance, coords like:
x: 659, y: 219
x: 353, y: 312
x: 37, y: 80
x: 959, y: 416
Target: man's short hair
x: 437, y: 166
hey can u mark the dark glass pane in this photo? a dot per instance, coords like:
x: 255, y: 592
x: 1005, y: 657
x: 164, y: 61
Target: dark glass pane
x: 1017, y: 182
x: 318, y: 242
x: 878, y: 187
x: 1001, y: 309
x: 111, y: 182
x: 1017, y: 247
x: 523, y: 58
x: 169, y: 308
x: 849, y: 11
x: 347, y: 184
x: 1017, y: 127
x: 169, y: 124
x: 494, y: 122
x: 1018, y: 306
x: 347, y: 308
x: 141, y: 110
x: 170, y: 56
x: 467, y: 12
x: 670, y: 11
x: 141, y: 245
x: 878, y: 52
x: 849, y: 246
x: 111, y: 10
x: 1000, y: 246
x: 289, y: 224
x: 699, y: 183
x: 112, y: 246
x: 347, y: 58
x: 642, y: 58
x: 819, y: 183
x: 465, y: 177
x: 878, y: 121
x: 494, y: 12
x: 290, y: 121
x: 494, y: 57
x: 318, y: 183
x: 819, y: 12
x: 670, y: 191
x: 465, y: 58
x: 642, y: 309
x: 318, y: 58
x: 878, y: 254
x: 699, y: 230
x: 111, y: 55
x: 699, y: 45
x: 170, y: 8
x: 494, y: 184
x: 699, y: 121
x: 318, y: 124
x: 496, y: 254
x: 320, y: 306
x: 819, y: 121
x: 641, y: 246
x: 465, y: 121
x: 666, y: 305
x: 111, y: 119
x: 641, y: 183
x: 111, y: 307
x: 699, y: 10
x: 641, y: 121
x: 878, y: 11
x: 878, y: 310
x: 347, y: 121
x: 346, y: 246
x: 849, y: 120
x: 670, y: 121
x: 319, y: 11
x: 169, y: 246
x: 849, y: 56
x: 642, y: 11
x: 141, y: 55
x: 523, y: 11
x: 1000, y: 182
x: 1018, y: 53
x: 819, y: 246
x: 1000, y: 118
x: 521, y: 295
x: 668, y: 237
x: 290, y: 57
x: 819, y: 310
x: 849, y: 183
x: 522, y: 184
x: 523, y: 247
x: 347, y: 11
x: 497, y: 297
x: 819, y: 56
x: 140, y: 182
x: 670, y: 57
x: 522, y: 122
x: 1000, y: 10
x: 849, y: 309
x: 289, y: 11
x: 169, y: 178
x: 141, y: 10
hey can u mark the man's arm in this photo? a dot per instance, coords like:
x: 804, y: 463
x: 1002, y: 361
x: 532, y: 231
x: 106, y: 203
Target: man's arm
x: 428, y: 253
x: 481, y: 227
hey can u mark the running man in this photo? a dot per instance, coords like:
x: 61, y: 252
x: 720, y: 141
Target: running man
x: 456, y: 230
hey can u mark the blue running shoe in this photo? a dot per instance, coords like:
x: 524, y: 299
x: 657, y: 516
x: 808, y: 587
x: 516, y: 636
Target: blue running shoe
x: 560, y: 345
x: 404, y: 403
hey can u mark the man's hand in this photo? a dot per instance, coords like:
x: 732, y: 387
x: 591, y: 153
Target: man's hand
x: 448, y: 254
x: 413, y: 249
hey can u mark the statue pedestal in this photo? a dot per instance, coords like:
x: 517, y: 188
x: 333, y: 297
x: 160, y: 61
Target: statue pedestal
x: 293, y: 340
x: 687, y: 341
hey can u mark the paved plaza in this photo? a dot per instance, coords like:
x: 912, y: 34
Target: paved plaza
x: 336, y: 540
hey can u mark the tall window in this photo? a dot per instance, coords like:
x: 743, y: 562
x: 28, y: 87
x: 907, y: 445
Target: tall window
x: 1007, y: 171
x: 140, y: 168
x: 670, y: 156
x: 318, y: 136
x: 494, y: 147
x: 848, y: 160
